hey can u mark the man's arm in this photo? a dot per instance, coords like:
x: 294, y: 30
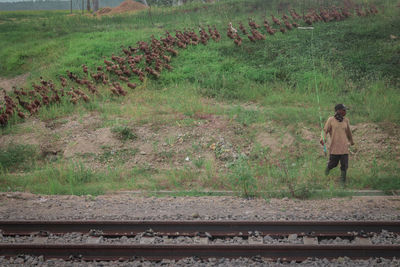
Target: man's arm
x: 348, y: 133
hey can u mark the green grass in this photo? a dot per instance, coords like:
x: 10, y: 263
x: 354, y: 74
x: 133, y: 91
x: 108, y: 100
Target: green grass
x: 351, y: 56
x: 72, y: 179
x: 124, y: 133
x: 287, y: 178
x: 17, y: 157
x: 270, y: 82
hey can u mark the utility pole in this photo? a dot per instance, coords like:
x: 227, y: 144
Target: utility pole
x: 88, y: 5
x: 83, y: 9
x: 71, y: 6
x: 151, y: 18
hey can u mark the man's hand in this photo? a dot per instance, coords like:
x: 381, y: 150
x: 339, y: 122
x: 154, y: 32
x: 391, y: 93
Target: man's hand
x: 352, y: 143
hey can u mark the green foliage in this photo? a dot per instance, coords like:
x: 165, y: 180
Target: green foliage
x: 17, y: 157
x: 259, y: 152
x: 246, y: 117
x: 355, y: 63
x: 380, y: 176
x: 355, y: 58
x: 388, y: 184
x: 57, y: 110
x: 124, y: 133
x: 242, y: 177
x: 72, y: 178
x: 290, y: 176
x: 199, y: 162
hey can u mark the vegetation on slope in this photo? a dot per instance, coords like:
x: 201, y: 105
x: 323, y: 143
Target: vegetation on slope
x: 355, y: 63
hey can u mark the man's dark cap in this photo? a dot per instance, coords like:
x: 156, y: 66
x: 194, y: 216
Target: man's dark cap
x: 340, y: 106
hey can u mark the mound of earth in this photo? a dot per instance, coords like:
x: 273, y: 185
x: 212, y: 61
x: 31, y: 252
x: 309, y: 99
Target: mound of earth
x: 104, y: 10
x: 124, y: 7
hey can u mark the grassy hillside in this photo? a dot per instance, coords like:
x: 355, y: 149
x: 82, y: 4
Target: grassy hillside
x: 226, y: 117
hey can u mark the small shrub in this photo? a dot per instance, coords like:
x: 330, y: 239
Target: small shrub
x: 242, y: 177
x: 199, y: 162
x: 79, y: 174
x: 260, y: 152
x: 290, y: 177
x: 124, y: 133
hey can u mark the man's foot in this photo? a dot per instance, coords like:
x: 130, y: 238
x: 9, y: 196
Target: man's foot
x: 327, y: 171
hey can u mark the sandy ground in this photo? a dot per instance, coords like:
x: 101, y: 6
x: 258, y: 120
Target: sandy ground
x: 26, y: 206
x: 8, y: 83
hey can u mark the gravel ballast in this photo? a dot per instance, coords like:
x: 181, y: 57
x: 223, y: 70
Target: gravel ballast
x: 255, y: 261
x: 383, y: 238
x: 25, y: 206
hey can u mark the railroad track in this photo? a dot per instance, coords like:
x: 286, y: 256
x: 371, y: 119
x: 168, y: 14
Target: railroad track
x: 205, y: 229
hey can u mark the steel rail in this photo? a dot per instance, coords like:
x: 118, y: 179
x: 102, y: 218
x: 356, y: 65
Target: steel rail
x: 191, y: 228
x: 158, y: 252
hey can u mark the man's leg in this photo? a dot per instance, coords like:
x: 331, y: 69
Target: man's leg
x: 344, y: 165
x: 333, y: 162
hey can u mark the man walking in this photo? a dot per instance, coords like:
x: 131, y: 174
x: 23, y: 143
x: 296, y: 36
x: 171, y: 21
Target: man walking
x: 339, y: 131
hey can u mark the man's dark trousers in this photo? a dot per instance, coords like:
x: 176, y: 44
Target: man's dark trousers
x: 334, y: 160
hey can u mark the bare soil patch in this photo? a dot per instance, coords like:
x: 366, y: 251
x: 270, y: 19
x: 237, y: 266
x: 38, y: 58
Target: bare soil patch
x: 30, y: 133
x: 275, y: 141
x: 308, y: 134
x: 124, y: 7
x: 92, y: 143
x: 8, y: 83
x: 212, y: 138
x: 53, y: 136
x: 371, y: 137
x: 104, y: 10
